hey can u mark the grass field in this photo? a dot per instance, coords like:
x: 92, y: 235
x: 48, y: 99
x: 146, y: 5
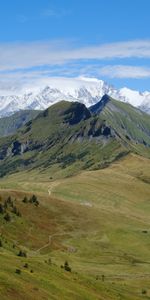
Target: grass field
x: 97, y: 220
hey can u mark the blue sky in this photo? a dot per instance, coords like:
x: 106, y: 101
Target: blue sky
x: 107, y: 39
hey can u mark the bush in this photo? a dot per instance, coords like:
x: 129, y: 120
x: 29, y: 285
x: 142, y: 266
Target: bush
x: 16, y: 211
x: 9, y: 201
x: 103, y: 277
x: 1, y: 209
x: 5, y: 205
x: 18, y: 214
x: 1, y: 244
x: 22, y: 253
x: 7, y: 217
x: 25, y: 200
x: 34, y: 200
x: 18, y: 271
x: 67, y: 267
x: 144, y: 291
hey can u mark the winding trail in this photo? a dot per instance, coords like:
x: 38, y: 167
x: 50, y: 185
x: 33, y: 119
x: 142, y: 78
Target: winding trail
x: 35, y: 252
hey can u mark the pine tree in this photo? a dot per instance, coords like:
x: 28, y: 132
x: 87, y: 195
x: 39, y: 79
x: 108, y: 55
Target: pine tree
x: 1, y: 209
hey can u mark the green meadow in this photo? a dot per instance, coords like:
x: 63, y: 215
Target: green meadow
x: 97, y: 221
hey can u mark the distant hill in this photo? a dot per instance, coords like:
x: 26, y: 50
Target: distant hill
x: 9, y: 125
x: 68, y: 137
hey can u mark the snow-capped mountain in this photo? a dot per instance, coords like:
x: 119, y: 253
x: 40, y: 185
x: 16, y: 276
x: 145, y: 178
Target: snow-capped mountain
x: 85, y: 90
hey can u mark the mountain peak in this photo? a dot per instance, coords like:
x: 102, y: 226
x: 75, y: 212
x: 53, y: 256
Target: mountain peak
x: 69, y: 112
x: 76, y: 112
x: 98, y: 107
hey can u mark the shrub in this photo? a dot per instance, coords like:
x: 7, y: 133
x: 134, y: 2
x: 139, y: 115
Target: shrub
x: 7, y: 217
x: 34, y: 200
x: 16, y: 211
x: 18, y: 271
x: 25, y: 200
x: 67, y: 267
x: 1, y: 209
x: 18, y: 214
x: 9, y: 199
x: 22, y: 253
x: 1, y: 244
x: 5, y: 205
x: 144, y: 291
x: 103, y: 277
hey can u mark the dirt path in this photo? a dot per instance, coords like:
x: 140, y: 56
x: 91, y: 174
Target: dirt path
x: 52, y: 186
x: 35, y: 252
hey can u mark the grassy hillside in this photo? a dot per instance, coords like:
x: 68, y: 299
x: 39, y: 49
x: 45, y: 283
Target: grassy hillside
x: 97, y: 220
x: 131, y: 125
x: 135, y: 123
x: 40, y: 274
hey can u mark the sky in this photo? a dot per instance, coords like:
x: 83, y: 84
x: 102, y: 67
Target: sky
x: 104, y: 39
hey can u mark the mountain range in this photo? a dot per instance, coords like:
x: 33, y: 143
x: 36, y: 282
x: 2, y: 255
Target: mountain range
x: 85, y: 90
x: 69, y: 137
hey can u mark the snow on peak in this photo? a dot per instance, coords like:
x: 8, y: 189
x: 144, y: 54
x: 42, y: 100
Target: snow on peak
x: 83, y: 89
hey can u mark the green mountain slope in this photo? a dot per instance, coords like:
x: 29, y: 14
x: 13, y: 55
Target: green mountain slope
x: 9, y: 125
x: 68, y: 137
x: 129, y: 123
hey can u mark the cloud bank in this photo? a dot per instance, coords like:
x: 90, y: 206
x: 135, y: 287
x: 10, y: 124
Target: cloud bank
x: 23, y: 64
x: 123, y: 71
x: 36, y: 54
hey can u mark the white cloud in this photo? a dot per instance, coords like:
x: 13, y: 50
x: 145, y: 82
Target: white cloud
x: 15, y: 56
x: 19, y: 83
x: 123, y: 71
x: 22, y: 81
